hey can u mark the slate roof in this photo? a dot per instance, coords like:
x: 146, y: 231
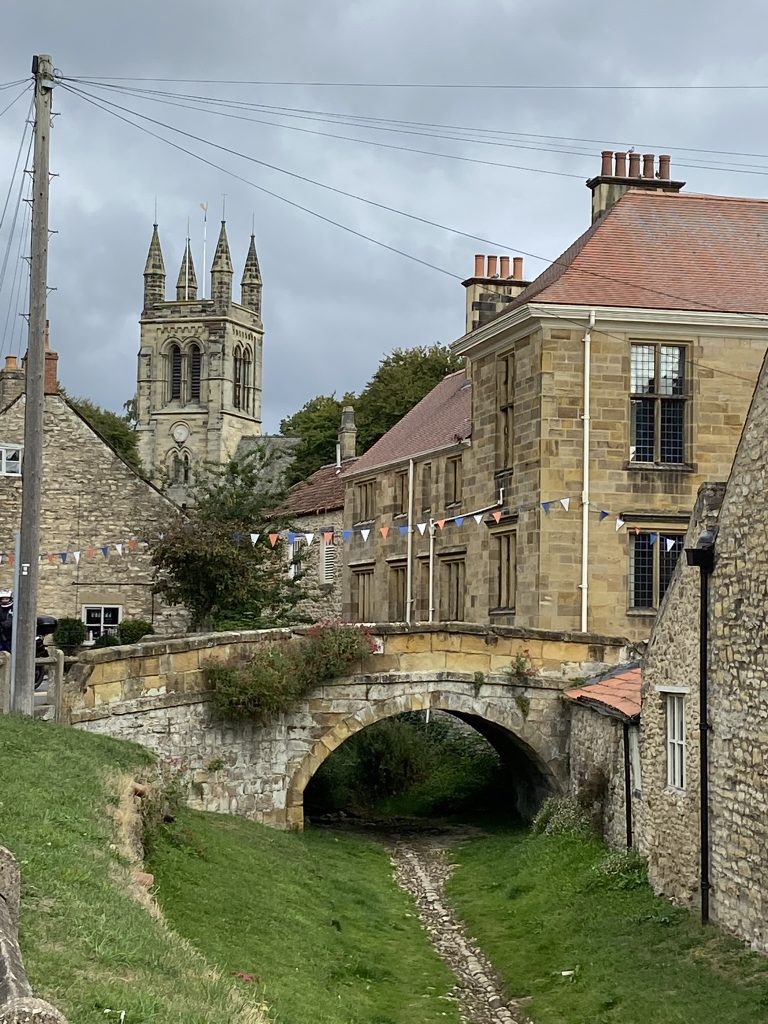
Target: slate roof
x: 617, y: 695
x: 665, y: 250
x: 323, y: 491
x: 442, y: 418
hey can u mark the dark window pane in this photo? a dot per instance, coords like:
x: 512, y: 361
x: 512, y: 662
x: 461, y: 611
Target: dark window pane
x: 669, y: 552
x: 641, y: 572
x: 111, y: 616
x: 642, y: 430
x: 93, y: 616
x: 672, y: 430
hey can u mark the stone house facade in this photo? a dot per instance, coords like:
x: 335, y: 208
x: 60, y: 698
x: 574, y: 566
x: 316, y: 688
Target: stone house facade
x: 732, y: 521
x: 604, y: 395
x: 97, y: 516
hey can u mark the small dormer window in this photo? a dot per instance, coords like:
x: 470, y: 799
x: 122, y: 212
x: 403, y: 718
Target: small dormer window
x: 10, y: 460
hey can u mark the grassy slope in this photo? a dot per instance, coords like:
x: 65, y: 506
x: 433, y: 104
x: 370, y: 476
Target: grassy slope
x: 87, y: 945
x: 314, y: 918
x: 538, y: 908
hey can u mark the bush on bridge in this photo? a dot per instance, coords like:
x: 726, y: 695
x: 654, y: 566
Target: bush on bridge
x: 275, y: 678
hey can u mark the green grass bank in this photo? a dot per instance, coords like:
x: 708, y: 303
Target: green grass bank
x: 539, y: 906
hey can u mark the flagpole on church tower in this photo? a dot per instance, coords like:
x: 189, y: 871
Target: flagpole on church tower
x: 204, y: 208
x: 25, y: 601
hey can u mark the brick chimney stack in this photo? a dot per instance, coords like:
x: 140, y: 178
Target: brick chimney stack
x: 492, y: 287
x: 615, y: 178
x: 51, y: 372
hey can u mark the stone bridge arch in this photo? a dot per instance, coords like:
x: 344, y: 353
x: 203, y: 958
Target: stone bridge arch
x: 537, y: 763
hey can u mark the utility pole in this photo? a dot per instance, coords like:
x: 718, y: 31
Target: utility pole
x: 25, y: 601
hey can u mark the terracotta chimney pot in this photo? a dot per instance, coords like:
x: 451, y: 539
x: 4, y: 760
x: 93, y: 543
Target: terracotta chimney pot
x: 606, y: 169
x: 10, y: 362
x: 634, y: 165
x: 492, y: 261
x: 517, y: 271
x: 648, y: 162
x: 664, y: 166
x: 479, y: 266
x: 621, y: 165
x: 504, y: 266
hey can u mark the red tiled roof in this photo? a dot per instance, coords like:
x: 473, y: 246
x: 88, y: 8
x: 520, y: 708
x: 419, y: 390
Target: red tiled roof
x: 323, y: 491
x: 665, y: 250
x: 617, y: 694
x: 442, y: 418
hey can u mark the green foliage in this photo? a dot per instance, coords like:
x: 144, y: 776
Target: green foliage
x: 522, y: 668
x: 70, y: 634
x: 560, y: 816
x: 205, y: 559
x: 106, y: 640
x: 115, y: 429
x: 316, y: 424
x: 131, y: 631
x: 407, y: 766
x: 626, y: 869
x: 403, y: 378
x: 274, y: 678
x: 523, y: 701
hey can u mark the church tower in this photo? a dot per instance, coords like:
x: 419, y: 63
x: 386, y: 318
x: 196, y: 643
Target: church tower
x: 199, y: 373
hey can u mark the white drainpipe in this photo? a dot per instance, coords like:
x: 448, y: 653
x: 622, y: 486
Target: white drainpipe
x: 431, y: 570
x: 584, y: 585
x: 409, y: 549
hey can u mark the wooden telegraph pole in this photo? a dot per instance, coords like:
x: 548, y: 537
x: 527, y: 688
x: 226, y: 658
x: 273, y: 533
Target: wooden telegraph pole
x: 25, y: 601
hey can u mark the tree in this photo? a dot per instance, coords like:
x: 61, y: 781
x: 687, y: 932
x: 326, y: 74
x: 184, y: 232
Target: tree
x: 206, y: 559
x: 115, y: 429
x: 316, y: 425
x: 403, y: 378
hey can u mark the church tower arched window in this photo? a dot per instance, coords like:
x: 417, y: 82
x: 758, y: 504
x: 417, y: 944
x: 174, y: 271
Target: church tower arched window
x: 247, y: 382
x: 195, y: 363
x: 185, y: 469
x: 175, y: 364
x: 237, y: 382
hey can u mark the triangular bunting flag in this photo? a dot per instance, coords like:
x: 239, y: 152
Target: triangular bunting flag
x: 119, y: 548
x: 546, y: 505
x: 236, y: 537
x: 90, y: 552
x: 291, y: 537
x: 11, y: 559
x: 254, y: 537
x: 76, y: 555
x: 669, y: 543
x: 403, y: 530
x: 328, y: 536
x: 345, y: 535
x: 273, y: 538
x: 421, y: 527
x: 637, y: 531
x: 365, y: 534
x: 497, y: 517
x: 603, y: 515
x: 619, y: 524
x: 105, y: 551
x: 565, y: 502
x: 478, y: 517
x: 653, y: 538
x: 63, y: 556
x: 384, y: 531
x: 459, y: 520
x: 309, y: 537
x: 50, y: 558
x: 440, y: 523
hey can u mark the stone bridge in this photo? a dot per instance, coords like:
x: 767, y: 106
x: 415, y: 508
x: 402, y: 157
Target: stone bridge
x: 154, y: 694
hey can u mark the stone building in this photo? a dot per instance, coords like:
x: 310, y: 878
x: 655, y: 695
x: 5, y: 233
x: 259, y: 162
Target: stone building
x: 97, y: 515
x: 730, y: 526
x: 602, y: 397
x: 315, y: 547
x: 200, y: 367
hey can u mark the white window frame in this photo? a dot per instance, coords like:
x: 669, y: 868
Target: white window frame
x: 102, y: 629
x: 327, y: 561
x: 674, y: 712
x: 6, y: 450
x: 294, y: 560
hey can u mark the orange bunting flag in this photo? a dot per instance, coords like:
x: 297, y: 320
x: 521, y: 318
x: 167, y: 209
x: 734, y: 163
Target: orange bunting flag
x: 440, y: 523
x: 497, y: 516
x: 328, y: 536
x: 384, y: 531
x: 90, y: 552
x: 132, y: 545
x: 273, y: 537
x: 50, y: 557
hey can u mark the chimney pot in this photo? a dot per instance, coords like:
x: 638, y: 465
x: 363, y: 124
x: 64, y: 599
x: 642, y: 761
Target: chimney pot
x: 621, y: 165
x: 492, y: 261
x: 517, y: 272
x: 648, y: 162
x: 634, y: 165
x: 479, y: 265
x: 606, y: 168
x: 664, y: 166
x: 504, y: 266
x: 10, y: 362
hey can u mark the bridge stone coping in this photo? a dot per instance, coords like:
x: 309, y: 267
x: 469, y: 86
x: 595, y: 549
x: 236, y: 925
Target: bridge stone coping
x: 172, y: 667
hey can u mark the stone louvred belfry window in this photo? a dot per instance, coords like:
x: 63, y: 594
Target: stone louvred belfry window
x: 175, y: 374
x: 195, y: 365
x: 658, y: 401
x: 237, y: 377
x: 247, y: 389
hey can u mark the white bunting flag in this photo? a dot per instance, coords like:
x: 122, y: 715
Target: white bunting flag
x: 670, y: 543
x: 365, y: 534
x: 119, y: 548
x: 309, y: 537
x: 254, y: 537
x: 77, y: 557
x: 478, y: 518
x: 421, y: 527
x: 619, y: 524
x: 565, y: 502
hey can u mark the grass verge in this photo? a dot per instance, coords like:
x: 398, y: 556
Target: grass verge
x: 88, y: 947
x: 539, y: 907
x: 314, y: 919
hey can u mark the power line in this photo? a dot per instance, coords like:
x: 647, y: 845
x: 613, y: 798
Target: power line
x: 10, y: 85
x: 14, y: 303
x: 15, y: 100
x: 16, y: 165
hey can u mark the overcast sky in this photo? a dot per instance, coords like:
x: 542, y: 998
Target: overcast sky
x: 335, y: 304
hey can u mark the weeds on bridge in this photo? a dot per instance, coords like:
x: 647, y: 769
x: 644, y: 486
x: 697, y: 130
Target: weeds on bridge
x: 275, y: 678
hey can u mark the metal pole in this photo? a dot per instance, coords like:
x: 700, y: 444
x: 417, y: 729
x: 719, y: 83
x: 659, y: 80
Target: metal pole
x: 15, y: 622
x: 704, y: 740
x: 584, y: 584
x: 25, y: 601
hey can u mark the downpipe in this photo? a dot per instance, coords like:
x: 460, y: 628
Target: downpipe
x: 584, y: 584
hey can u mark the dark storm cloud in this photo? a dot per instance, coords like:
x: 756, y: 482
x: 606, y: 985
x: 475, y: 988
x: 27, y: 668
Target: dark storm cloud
x: 334, y: 304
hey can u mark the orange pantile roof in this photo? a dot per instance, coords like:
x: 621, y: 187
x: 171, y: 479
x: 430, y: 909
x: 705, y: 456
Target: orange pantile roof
x: 442, y: 418
x: 665, y: 250
x: 323, y: 491
x: 617, y: 695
